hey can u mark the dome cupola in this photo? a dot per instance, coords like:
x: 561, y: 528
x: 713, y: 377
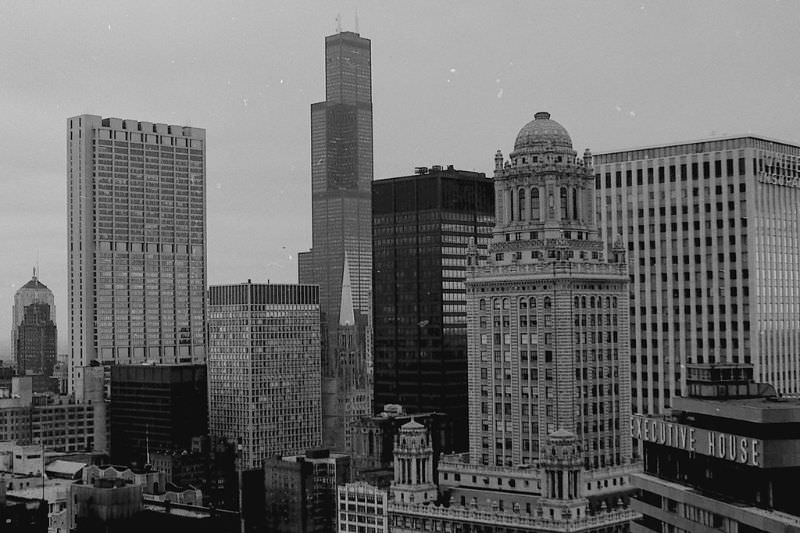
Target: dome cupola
x: 543, y: 134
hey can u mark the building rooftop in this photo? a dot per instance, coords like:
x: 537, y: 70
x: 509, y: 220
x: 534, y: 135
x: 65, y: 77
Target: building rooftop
x: 601, y: 154
x: 34, y: 284
x: 64, y: 468
x: 756, y: 410
x: 412, y: 424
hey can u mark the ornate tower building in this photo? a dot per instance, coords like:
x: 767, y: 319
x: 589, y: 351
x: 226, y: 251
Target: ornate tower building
x: 413, y: 465
x: 562, y: 462
x: 547, y: 313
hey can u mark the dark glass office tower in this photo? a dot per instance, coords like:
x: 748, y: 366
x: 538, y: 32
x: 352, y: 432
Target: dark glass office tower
x: 156, y: 408
x: 422, y: 225
x: 340, y: 261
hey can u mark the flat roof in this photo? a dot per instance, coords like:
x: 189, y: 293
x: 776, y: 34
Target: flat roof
x: 756, y: 410
x: 696, y: 141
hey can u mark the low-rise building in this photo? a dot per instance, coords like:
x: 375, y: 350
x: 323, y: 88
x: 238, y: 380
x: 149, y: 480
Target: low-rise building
x: 22, y: 514
x: 362, y: 507
x: 373, y: 441
x: 59, y: 423
x: 557, y: 493
x: 727, y: 457
x: 301, y: 491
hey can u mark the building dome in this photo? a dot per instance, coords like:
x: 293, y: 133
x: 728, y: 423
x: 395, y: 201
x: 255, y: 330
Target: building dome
x: 542, y: 132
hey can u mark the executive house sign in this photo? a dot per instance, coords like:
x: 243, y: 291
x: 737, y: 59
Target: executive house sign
x: 691, y: 439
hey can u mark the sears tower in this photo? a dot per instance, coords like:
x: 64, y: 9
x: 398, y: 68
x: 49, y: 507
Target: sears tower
x: 340, y: 260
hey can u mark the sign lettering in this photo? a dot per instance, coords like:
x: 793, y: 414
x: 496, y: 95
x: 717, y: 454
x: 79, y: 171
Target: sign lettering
x: 778, y: 179
x: 726, y: 446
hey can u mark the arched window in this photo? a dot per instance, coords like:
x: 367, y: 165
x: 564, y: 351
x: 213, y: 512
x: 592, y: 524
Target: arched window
x: 521, y: 202
x: 583, y: 302
x: 575, y: 204
x: 577, y: 302
x: 505, y: 303
x: 523, y: 304
x: 591, y: 302
x: 547, y: 302
x: 511, y: 205
x: 535, y: 206
x: 533, y: 303
x: 496, y: 303
x: 482, y: 305
x: 563, y: 203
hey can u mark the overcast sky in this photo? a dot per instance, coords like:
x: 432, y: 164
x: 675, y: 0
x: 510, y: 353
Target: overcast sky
x: 452, y: 83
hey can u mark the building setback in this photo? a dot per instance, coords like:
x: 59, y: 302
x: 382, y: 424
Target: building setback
x: 156, y: 408
x: 264, y: 369
x: 33, y: 335
x: 340, y: 260
x: 421, y: 227
x: 713, y: 235
x: 137, y: 256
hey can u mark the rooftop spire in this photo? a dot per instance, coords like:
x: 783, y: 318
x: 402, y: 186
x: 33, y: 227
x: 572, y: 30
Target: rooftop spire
x: 346, y: 313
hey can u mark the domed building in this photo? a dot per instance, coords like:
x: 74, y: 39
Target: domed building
x: 548, y: 312
x: 548, y: 357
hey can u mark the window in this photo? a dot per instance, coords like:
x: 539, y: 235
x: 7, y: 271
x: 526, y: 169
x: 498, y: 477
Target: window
x: 535, y: 211
x: 575, y: 204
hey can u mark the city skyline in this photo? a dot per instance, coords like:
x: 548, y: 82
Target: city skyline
x: 255, y: 106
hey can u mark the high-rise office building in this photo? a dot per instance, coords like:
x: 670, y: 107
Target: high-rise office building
x: 156, y: 408
x: 137, y: 256
x: 264, y: 369
x: 33, y: 335
x: 340, y: 260
x: 547, y: 314
x: 422, y: 225
x: 713, y: 235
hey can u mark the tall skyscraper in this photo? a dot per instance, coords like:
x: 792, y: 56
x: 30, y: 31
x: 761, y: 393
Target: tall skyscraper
x: 422, y: 225
x: 340, y: 260
x: 137, y: 255
x: 713, y: 234
x: 547, y: 314
x: 33, y: 335
x: 264, y: 369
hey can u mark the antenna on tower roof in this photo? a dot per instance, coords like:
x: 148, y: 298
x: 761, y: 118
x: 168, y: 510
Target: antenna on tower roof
x: 356, y: 20
x: 339, y: 23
